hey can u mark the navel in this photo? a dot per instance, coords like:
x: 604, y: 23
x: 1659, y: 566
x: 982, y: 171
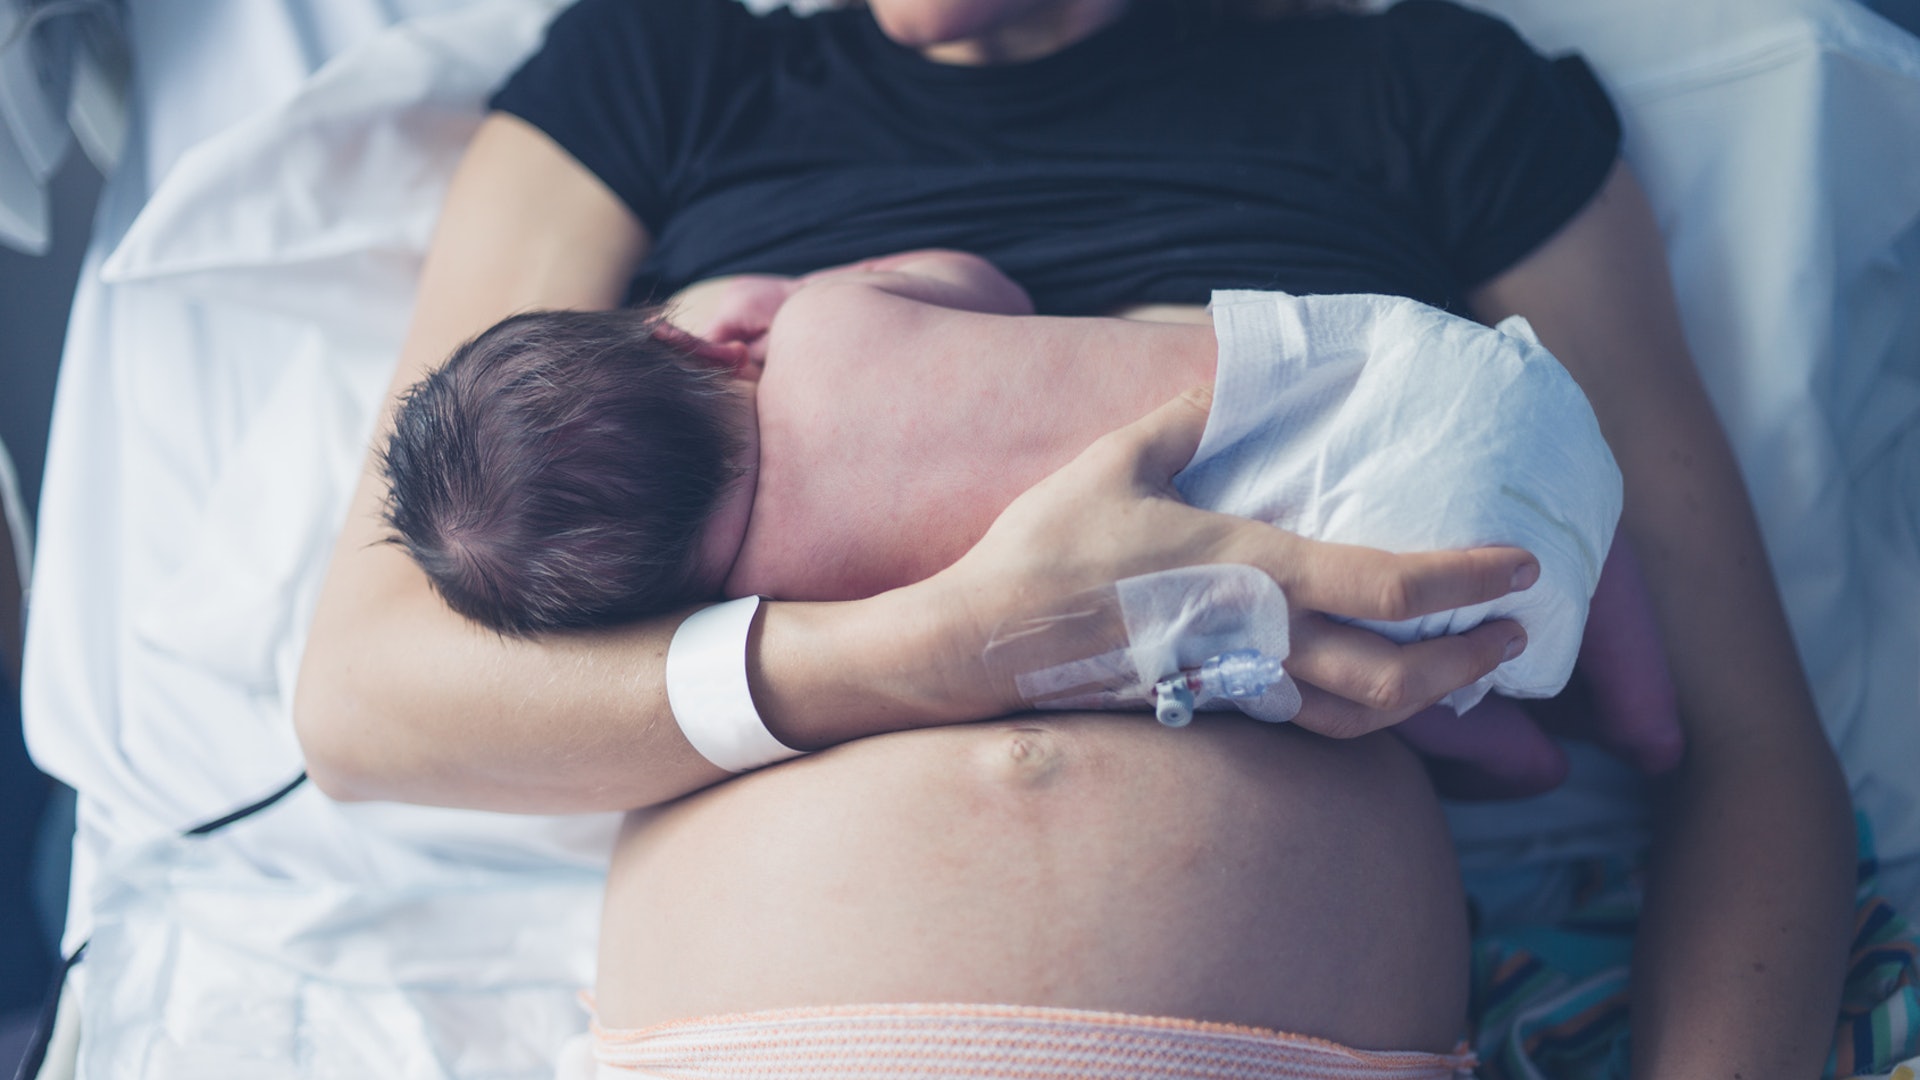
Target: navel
x: 1023, y: 757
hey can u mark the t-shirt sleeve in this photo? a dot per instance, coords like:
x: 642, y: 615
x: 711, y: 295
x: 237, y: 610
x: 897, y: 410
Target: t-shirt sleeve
x: 1505, y: 145
x: 609, y: 85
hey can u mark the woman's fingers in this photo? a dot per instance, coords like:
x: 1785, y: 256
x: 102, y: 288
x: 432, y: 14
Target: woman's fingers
x: 1366, y: 583
x: 1161, y: 443
x: 1341, y: 579
x: 1354, y: 681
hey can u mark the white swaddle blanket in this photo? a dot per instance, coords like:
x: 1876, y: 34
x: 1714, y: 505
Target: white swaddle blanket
x: 1382, y: 422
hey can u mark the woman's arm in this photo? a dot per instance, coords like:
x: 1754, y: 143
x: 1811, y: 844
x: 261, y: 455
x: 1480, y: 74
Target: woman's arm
x: 1743, y: 942
x: 399, y: 698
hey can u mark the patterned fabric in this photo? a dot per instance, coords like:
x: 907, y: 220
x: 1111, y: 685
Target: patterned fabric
x: 1550, y: 1003
x: 1880, y: 1008
x: 881, y: 1042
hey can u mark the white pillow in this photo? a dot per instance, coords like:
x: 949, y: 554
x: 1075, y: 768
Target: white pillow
x: 322, y: 208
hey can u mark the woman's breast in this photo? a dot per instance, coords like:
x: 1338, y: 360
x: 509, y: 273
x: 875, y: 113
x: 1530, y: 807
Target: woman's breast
x: 1228, y: 871
x: 692, y: 308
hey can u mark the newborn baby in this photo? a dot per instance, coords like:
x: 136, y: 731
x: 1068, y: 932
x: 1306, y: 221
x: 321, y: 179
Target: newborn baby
x: 828, y: 437
x: 832, y: 437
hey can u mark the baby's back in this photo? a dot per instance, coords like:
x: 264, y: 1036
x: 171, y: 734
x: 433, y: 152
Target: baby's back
x: 893, y: 432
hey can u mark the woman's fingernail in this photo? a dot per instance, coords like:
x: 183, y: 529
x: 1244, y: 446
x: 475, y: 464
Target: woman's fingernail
x: 1524, y: 577
x: 1516, y: 645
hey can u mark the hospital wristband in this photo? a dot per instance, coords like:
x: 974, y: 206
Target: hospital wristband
x: 707, y: 688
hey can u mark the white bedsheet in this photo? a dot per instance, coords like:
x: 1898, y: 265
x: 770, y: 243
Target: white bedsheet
x: 221, y: 375
x: 1779, y: 141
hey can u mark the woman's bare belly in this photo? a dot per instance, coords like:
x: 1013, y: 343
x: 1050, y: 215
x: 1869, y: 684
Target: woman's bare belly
x: 1229, y: 871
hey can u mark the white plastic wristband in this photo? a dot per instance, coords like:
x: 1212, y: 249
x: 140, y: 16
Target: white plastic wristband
x: 707, y: 687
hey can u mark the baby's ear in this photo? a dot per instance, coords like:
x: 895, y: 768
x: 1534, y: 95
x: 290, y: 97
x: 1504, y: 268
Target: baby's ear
x: 732, y: 355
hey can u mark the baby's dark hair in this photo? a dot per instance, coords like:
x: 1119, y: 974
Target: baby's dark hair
x: 556, y: 472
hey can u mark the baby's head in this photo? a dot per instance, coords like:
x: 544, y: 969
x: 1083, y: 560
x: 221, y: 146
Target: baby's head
x: 558, y: 470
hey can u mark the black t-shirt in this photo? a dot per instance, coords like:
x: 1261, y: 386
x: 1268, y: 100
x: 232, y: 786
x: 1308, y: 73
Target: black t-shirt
x: 1417, y: 152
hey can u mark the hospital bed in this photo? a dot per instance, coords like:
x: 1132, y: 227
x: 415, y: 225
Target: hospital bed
x: 246, y: 288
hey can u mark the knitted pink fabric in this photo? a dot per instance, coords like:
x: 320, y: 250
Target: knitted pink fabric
x: 992, y: 1042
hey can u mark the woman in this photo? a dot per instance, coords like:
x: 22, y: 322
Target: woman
x: 400, y: 700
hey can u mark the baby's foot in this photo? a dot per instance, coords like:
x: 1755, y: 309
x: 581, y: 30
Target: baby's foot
x: 1493, y: 751
x: 1634, y: 712
x: 1621, y: 698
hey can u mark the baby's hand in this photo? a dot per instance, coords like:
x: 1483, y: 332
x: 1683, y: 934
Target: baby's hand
x: 745, y: 309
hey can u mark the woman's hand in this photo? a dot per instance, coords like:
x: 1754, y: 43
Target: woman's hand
x: 1113, y: 513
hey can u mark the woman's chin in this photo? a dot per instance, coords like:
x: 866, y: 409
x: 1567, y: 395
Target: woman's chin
x: 923, y: 24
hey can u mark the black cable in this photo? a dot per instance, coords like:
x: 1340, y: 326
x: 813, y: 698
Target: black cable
x: 246, y: 811
x: 36, y: 1054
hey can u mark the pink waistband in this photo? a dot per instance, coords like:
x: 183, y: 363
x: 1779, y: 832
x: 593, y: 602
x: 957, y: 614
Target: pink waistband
x: 992, y: 1042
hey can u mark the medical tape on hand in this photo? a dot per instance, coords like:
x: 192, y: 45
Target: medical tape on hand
x: 1107, y: 648
x: 707, y: 687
